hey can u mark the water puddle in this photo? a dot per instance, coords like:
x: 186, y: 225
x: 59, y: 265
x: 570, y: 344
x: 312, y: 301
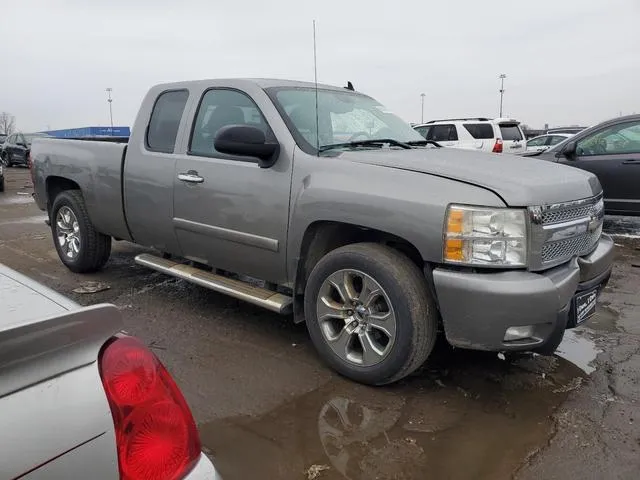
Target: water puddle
x: 468, y: 416
x: 579, y: 350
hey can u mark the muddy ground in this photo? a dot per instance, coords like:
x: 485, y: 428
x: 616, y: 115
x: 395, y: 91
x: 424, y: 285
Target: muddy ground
x: 268, y: 409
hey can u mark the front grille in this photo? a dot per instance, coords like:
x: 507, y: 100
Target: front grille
x: 566, y: 230
x: 567, y: 214
x: 569, y: 248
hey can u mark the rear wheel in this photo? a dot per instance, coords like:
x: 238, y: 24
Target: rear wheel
x: 1, y: 184
x: 369, y: 313
x: 79, y: 245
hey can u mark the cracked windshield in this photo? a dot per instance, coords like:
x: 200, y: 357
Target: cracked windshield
x: 289, y: 241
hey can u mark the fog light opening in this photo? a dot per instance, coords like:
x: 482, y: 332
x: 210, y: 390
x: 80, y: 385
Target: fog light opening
x: 518, y: 333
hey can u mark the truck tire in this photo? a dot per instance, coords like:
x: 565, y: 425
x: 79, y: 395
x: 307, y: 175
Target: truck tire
x: 369, y: 313
x: 79, y: 245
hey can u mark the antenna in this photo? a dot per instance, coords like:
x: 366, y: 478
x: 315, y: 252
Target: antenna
x: 315, y: 80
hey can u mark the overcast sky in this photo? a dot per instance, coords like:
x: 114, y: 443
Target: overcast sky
x: 567, y: 61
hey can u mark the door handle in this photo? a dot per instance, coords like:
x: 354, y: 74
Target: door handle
x: 191, y: 177
x: 631, y: 162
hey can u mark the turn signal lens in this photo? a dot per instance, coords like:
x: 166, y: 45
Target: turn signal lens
x: 454, y: 250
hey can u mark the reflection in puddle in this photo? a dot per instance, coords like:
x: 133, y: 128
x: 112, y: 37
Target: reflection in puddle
x: 469, y: 416
x: 579, y: 350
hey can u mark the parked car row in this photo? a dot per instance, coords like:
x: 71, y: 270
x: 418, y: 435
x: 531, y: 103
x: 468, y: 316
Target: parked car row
x: 15, y: 149
x: 610, y: 150
x: 489, y: 135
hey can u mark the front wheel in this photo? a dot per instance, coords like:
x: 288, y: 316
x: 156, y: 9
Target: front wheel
x: 79, y: 245
x: 369, y: 313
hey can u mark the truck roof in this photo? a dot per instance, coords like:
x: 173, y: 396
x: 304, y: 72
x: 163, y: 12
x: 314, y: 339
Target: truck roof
x: 239, y: 82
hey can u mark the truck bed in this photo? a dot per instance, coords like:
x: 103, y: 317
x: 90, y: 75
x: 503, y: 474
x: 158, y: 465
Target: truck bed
x: 95, y: 166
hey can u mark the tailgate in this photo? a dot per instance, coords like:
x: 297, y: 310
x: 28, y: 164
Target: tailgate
x: 512, y: 137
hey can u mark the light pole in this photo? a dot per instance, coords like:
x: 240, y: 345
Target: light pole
x: 501, y: 77
x: 422, y: 108
x: 110, y: 100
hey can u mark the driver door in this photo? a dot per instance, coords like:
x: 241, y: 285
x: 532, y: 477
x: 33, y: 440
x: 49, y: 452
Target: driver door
x: 228, y: 212
x: 613, y: 155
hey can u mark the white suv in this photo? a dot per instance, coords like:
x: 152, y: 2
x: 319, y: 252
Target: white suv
x: 497, y: 135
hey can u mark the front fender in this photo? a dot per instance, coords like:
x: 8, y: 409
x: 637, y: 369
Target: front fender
x: 406, y: 204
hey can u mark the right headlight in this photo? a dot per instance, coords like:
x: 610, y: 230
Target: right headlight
x: 483, y: 236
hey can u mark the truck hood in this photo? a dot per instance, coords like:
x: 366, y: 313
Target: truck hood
x: 517, y: 180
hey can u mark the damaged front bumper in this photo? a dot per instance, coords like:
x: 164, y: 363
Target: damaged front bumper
x: 520, y: 310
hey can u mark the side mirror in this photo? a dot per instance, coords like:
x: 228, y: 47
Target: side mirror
x: 247, y: 141
x: 569, y: 150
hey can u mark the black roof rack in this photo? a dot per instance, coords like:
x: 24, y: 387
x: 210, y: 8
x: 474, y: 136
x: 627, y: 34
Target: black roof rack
x: 478, y: 119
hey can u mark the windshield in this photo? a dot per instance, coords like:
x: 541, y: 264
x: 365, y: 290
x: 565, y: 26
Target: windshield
x: 342, y: 117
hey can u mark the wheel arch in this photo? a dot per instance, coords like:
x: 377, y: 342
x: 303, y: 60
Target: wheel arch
x: 321, y: 237
x: 54, y: 185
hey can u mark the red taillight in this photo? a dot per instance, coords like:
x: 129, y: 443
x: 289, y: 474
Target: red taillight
x: 156, y: 435
x: 497, y: 148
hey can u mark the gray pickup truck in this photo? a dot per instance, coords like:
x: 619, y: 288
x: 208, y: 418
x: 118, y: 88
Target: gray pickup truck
x: 318, y: 201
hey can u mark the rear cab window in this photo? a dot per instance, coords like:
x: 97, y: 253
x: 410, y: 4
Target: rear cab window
x: 480, y: 131
x: 165, y: 121
x: 511, y: 131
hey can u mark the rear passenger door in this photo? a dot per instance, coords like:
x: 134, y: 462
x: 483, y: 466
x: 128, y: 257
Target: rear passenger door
x: 445, y: 134
x: 10, y: 149
x: 228, y: 212
x: 149, y: 173
x: 483, y: 135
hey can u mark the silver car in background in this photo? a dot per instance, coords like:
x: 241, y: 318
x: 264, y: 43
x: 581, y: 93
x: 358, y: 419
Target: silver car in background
x: 78, y: 399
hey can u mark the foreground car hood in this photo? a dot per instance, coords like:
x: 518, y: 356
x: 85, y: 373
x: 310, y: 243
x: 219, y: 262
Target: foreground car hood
x: 517, y: 180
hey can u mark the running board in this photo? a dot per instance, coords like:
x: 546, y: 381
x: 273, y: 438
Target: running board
x: 274, y: 301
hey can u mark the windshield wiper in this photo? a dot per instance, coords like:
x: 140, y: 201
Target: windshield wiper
x: 364, y: 143
x: 424, y: 142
